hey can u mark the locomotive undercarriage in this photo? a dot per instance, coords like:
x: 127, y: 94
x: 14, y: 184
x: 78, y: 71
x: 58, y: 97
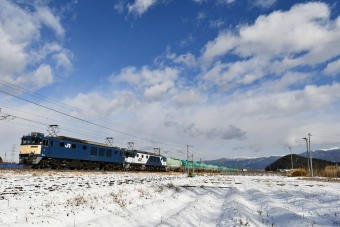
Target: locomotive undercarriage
x: 53, y: 163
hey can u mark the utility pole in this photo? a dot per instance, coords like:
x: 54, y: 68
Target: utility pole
x: 12, y: 154
x: 310, y: 156
x: 291, y: 156
x: 188, y: 159
x: 307, y: 155
x: 193, y: 168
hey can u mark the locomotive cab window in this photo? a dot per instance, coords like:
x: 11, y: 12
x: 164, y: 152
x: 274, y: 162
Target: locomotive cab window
x: 45, y: 143
x: 73, y: 145
x: 24, y: 141
x: 51, y: 144
x: 62, y: 144
x: 84, y: 147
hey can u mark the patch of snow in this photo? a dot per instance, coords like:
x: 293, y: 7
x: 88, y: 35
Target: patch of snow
x: 85, y: 198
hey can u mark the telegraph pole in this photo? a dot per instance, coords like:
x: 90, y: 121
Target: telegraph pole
x: 307, y: 155
x: 291, y: 156
x: 310, y: 156
x: 12, y: 154
x: 187, y: 159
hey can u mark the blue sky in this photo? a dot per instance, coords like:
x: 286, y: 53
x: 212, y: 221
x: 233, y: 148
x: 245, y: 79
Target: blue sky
x: 230, y: 77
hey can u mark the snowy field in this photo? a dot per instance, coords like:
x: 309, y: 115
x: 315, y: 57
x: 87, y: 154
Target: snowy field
x: 37, y: 198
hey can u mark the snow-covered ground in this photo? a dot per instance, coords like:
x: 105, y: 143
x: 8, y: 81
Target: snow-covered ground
x: 53, y: 198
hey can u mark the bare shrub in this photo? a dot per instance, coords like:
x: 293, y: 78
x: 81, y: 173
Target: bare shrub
x: 118, y: 198
x: 299, y: 173
x: 172, y: 186
x: 77, y: 201
x: 143, y: 193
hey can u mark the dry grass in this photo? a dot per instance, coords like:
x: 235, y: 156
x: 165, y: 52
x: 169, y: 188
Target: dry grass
x: 329, y: 171
x: 299, y: 173
x: 118, y: 198
x: 77, y: 201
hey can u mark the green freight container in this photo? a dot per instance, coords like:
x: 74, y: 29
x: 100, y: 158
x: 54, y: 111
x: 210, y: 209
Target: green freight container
x: 173, y: 162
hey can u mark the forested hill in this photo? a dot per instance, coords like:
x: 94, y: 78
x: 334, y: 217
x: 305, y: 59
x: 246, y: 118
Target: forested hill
x: 298, y: 162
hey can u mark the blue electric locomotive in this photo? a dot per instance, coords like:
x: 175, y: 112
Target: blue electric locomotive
x: 41, y: 151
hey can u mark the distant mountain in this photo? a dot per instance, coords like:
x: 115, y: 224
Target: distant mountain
x: 285, y: 162
x: 244, y: 162
x: 332, y: 154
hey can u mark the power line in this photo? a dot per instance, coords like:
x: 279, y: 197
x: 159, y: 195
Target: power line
x: 78, y: 118
x: 83, y: 120
x: 26, y: 91
x: 72, y: 131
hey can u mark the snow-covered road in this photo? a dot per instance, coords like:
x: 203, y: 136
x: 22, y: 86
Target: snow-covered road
x: 53, y: 198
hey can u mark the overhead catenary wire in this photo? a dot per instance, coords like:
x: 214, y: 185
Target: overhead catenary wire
x: 83, y: 120
x: 26, y: 91
x: 74, y: 132
x: 95, y: 116
x: 93, y: 135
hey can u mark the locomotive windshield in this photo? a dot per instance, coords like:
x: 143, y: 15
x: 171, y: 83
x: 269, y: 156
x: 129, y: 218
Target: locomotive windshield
x: 32, y: 140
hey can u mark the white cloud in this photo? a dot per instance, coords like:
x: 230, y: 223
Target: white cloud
x: 146, y: 76
x: 304, y: 35
x: 119, y: 6
x: 187, y: 98
x: 42, y: 76
x: 139, y: 7
x: 12, y: 55
x: 153, y: 84
x: 263, y: 103
x: 24, y: 49
x: 200, y: 1
x: 95, y: 103
x: 157, y: 91
x: 39, y: 78
x: 63, y: 59
x: 216, y: 23
x: 276, y: 43
x: 45, y: 15
x: 186, y: 59
x: 201, y: 16
x: 225, y: 1
x: 332, y: 68
x: 264, y: 3
x: 187, y: 41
